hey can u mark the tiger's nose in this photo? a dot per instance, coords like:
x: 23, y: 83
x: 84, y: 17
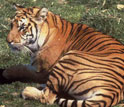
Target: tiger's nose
x: 9, y: 39
x: 13, y: 37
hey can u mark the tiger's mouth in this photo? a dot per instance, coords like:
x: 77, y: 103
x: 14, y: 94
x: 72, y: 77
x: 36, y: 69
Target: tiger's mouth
x: 17, y: 47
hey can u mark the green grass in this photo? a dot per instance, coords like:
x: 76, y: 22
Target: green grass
x: 10, y: 96
x: 100, y: 14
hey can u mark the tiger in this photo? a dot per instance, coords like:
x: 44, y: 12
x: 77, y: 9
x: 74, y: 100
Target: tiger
x: 48, y: 38
x: 83, y: 79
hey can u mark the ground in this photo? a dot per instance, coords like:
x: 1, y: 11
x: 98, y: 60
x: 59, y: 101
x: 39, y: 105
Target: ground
x: 106, y: 16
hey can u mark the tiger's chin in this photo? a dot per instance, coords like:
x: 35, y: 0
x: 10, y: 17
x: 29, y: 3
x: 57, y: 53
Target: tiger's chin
x: 21, y: 49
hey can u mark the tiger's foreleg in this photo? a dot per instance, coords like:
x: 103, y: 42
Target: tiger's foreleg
x: 46, y: 96
x: 24, y: 73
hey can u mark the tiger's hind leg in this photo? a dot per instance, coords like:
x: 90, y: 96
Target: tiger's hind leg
x: 99, y: 100
x: 104, y: 98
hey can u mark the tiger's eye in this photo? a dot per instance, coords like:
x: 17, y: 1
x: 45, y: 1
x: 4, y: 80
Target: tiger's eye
x: 22, y: 27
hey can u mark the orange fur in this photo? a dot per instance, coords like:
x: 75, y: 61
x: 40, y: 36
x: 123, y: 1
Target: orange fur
x: 50, y: 39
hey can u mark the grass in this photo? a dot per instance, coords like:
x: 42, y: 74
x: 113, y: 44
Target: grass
x: 10, y: 96
x: 100, y: 14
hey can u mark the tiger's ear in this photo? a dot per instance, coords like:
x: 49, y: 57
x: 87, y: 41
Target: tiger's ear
x: 42, y: 14
x: 18, y: 7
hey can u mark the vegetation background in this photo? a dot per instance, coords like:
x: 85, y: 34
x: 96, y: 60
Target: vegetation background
x: 106, y: 16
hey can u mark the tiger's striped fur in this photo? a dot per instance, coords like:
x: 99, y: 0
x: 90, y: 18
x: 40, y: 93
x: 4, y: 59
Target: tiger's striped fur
x: 88, y: 79
x: 92, y: 72
x: 48, y: 37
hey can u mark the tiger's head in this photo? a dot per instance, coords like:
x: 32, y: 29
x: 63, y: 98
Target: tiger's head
x: 29, y: 29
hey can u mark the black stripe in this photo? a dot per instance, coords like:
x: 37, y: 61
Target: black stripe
x: 83, y: 83
x: 31, y: 31
x: 103, y: 54
x: 74, y: 104
x: 47, y: 37
x: 86, y: 29
x: 98, y: 102
x: 31, y: 9
x: 57, y: 100
x: 94, y: 46
x: 102, y: 73
x: 65, y: 104
x: 62, y: 103
x: 60, y: 70
x: 114, y: 78
x: 50, y: 84
x: 78, y: 44
x: 78, y: 30
x: 81, y: 63
x: 76, y: 38
x: 88, y: 32
x: 83, y: 104
x: 66, y: 67
x: 111, y: 61
x: 68, y: 61
x: 65, y: 27
x: 94, y: 40
x: 120, y: 67
x: 103, y: 95
x: 110, y: 44
x: 35, y: 29
x: 118, y: 58
x: 117, y: 94
x: 89, y: 41
x: 81, y: 56
x: 71, y: 32
x: 53, y: 74
x: 120, y: 50
x: 89, y: 89
x: 107, y: 96
x: 88, y: 105
x: 62, y: 25
x: 115, y: 72
x: 25, y: 13
x: 60, y: 75
x: 54, y: 20
x: 110, y: 85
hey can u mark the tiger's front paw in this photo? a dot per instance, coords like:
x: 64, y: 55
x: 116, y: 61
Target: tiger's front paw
x: 31, y: 93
